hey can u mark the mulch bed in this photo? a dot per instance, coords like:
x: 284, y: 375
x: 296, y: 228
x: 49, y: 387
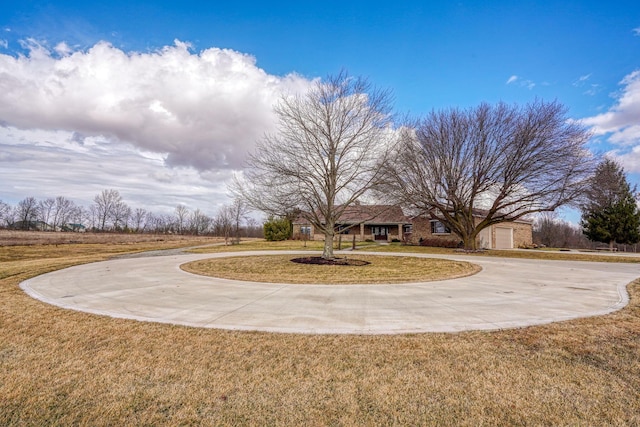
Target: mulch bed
x: 334, y: 261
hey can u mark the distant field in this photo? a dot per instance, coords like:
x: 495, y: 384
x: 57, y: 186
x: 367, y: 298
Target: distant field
x: 61, y: 367
x: 18, y: 238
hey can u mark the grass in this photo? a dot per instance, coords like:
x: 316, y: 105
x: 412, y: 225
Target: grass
x: 383, y: 269
x: 259, y: 245
x: 60, y: 367
x: 286, y: 245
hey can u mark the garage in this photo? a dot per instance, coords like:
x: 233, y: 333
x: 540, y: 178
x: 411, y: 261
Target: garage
x: 504, y: 238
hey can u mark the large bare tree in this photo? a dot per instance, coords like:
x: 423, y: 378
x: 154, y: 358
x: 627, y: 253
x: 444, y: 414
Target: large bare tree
x: 327, y: 153
x: 490, y: 164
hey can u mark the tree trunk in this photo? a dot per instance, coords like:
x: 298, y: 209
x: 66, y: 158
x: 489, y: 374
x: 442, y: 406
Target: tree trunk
x: 327, y: 252
x: 469, y: 243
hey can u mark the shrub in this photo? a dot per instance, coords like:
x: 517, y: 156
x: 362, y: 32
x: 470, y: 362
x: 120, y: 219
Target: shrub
x: 276, y: 229
x: 440, y: 243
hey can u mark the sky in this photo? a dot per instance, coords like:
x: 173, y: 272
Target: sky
x: 163, y: 101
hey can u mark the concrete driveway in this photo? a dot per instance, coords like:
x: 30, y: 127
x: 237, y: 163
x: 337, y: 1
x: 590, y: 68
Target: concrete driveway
x: 507, y: 293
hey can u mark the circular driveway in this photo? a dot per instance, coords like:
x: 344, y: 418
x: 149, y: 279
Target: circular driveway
x: 507, y: 293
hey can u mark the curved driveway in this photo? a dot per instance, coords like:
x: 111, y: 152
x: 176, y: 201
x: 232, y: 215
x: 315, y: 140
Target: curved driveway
x: 506, y: 293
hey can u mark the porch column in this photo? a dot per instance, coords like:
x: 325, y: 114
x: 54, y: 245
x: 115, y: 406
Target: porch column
x: 400, y: 233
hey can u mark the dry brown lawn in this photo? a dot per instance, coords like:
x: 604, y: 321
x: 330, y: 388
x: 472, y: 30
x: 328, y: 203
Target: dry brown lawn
x: 60, y: 367
x: 382, y: 269
x: 258, y: 245
x: 29, y: 238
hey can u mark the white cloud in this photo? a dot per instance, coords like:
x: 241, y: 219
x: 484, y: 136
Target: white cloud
x: 623, y: 116
x: 580, y: 81
x: 53, y: 163
x: 4, y: 43
x: 620, y: 125
x: 591, y: 89
x: 203, y: 110
x: 164, y: 128
x: 520, y: 82
x: 636, y: 31
x: 63, y: 49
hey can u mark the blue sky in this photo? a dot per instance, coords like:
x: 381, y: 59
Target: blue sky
x: 89, y: 88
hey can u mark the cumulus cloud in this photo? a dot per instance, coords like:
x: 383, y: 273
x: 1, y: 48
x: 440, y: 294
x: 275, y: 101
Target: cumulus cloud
x: 620, y: 125
x: 203, y: 110
x: 621, y: 120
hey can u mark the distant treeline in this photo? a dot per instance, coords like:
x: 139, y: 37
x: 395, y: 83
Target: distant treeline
x: 109, y: 212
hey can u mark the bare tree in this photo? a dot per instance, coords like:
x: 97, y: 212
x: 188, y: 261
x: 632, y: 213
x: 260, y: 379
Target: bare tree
x: 253, y: 228
x: 26, y: 212
x: 223, y: 223
x: 549, y: 230
x: 199, y: 223
x: 181, y: 215
x: 239, y: 211
x: 105, y: 206
x: 92, y: 216
x: 490, y: 164
x: 62, y: 212
x: 140, y: 219
x: 156, y: 223
x: 46, y: 210
x: 121, y: 216
x: 78, y: 215
x: 326, y: 154
x: 6, y: 214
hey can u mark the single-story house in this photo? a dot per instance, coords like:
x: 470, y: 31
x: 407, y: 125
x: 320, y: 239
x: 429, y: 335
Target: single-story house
x: 505, y: 235
x: 366, y: 222
x: 31, y: 225
x: 75, y: 227
x: 388, y: 223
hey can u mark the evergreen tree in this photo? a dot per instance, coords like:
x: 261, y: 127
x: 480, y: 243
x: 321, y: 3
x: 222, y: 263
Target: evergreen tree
x: 276, y: 229
x: 610, y: 214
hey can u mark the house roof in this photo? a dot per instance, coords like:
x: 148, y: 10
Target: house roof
x: 479, y: 213
x: 369, y: 214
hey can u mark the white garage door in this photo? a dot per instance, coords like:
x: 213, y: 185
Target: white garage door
x: 484, y: 238
x: 504, y: 238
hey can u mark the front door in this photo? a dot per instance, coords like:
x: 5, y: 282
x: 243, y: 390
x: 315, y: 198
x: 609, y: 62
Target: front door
x: 380, y: 233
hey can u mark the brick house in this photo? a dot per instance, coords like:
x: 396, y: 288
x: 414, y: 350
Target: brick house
x: 388, y: 223
x: 506, y: 235
x: 366, y: 222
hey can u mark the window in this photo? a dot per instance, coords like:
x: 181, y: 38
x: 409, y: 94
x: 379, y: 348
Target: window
x: 305, y: 230
x: 343, y: 229
x: 438, y: 227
